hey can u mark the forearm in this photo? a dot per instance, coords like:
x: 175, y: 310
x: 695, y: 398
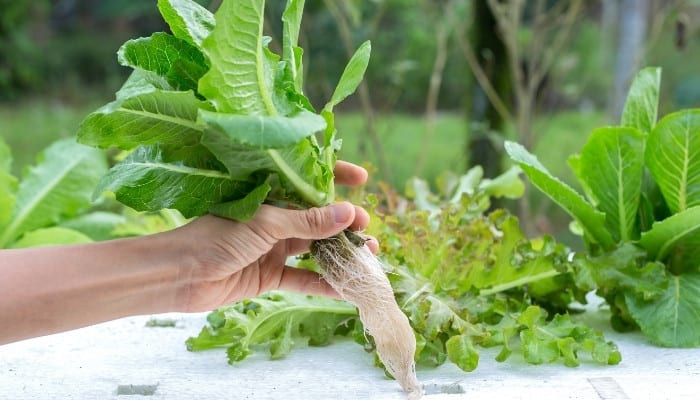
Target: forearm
x: 54, y: 289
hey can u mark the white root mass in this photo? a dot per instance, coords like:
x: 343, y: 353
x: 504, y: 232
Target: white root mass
x: 358, y: 275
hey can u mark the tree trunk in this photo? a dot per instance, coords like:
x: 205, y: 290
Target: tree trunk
x: 485, y: 121
x: 634, y: 15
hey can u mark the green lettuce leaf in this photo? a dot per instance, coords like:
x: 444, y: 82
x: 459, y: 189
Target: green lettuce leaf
x: 664, y: 236
x: 97, y: 225
x: 58, y: 187
x: 242, y: 209
x: 671, y: 320
x: 52, y: 236
x: 671, y: 158
x: 274, y: 319
x: 8, y: 185
x: 547, y: 341
x: 642, y: 100
x: 187, y: 20
x: 612, y: 166
x: 291, y: 52
x: 168, y: 118
x: 592, y: 220
x: 352, y: 75
x: 147, y: 181
x: 180, y: 63
x: 265, y: 132
x: 236, y: 44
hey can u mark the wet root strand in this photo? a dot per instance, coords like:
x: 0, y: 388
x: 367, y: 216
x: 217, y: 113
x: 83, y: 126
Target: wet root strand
x: 359, y: 277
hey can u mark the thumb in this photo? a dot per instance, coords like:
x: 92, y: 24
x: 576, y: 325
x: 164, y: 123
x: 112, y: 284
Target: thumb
x: 313, y: 223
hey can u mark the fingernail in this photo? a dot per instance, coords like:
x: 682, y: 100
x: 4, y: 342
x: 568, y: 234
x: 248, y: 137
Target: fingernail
x: 342, y: 212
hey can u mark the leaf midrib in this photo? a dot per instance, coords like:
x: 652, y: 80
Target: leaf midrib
x: 164, y: 117
x: 41, y: 194
x: 185, y: 170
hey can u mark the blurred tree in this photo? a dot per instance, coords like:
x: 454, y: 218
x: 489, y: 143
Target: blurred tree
x: 490, y: 91
x: 633, y: 21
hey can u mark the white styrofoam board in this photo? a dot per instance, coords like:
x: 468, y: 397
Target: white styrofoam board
x: 95, y: 362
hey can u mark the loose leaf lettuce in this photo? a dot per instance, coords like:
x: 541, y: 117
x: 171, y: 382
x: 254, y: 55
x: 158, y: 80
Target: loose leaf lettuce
x: 276, y: 319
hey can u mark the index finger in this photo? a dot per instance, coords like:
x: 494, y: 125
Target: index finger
x: 349, y: 174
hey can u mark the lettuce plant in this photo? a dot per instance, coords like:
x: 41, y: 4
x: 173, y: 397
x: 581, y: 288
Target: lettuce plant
x: 640, y: 217
x: 214, y: 121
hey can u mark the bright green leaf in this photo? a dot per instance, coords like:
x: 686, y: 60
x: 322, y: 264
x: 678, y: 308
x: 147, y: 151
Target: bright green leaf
x: 663, y: 236
x: 59, y: 186
x: 265, y: 132
x: 672, y: 157
x: 592, y: 221
x: 187, y: 20
x: 612, y: 165
x: 642, y: 100
x: 158, y: 117
x: 97, y: 225
x: 8, y: 185
x: 270, y: 319
x: 241, y: 77
x: 352, y: 75
x: 52, y: 236
x: 301, y: 177
x: 461, y: 351
x: 291, y: 52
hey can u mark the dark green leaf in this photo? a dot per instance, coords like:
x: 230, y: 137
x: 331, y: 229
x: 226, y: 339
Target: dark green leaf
x: 179, y: 62
x: 242, y: 209
x: 145, y: 181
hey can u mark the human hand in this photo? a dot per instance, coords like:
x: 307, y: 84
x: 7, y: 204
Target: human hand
x: 231, y: 260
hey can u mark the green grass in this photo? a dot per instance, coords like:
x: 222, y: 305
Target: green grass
x: 31, y: 125
x: 402, y: 140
